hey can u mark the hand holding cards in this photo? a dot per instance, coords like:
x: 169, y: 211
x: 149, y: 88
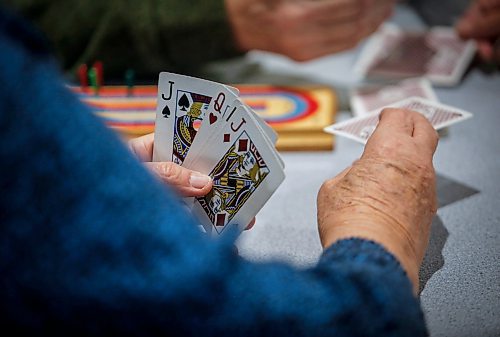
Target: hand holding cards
x: 203, y: 126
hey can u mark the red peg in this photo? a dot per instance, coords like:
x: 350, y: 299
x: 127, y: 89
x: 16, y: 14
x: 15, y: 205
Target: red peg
x: 100, y: 73
x: 82, y: 76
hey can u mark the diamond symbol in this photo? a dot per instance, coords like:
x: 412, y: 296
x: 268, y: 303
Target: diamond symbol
x: 227, y: 137
x: 242, y: 145
x: 221, y: 219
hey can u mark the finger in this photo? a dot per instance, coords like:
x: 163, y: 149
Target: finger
x: 424, y: 132
x: 371, y: 22
x: 485, y: 50
x: 330, y: 32
x: 466, y: 22
x: 484, y: 26
x: 321, y: 49
x: 489, y: 51
x: 378, y: 10
x: 395, y: 120
x: 359, y: 27
x: 393, y: 123
x: 250, y: 225
x: 372, y: 15
x: 142, y: 147
x: 331, y: 11
x: 186, y: 182
x: 488, y: 4
x: 321, y: 39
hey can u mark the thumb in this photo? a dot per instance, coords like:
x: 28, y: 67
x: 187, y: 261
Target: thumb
x: 186, y: 182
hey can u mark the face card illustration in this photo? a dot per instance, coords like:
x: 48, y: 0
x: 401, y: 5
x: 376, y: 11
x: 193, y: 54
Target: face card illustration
x: 361, y: 128
x: 213, y: 121
x: 238, y: 174
x: 189, y: 113
x: 245, y: 172
x: 369, y: 98
x: 182, y: 104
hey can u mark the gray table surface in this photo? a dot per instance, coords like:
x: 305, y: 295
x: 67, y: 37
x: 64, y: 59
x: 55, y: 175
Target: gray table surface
x: 461, y: 272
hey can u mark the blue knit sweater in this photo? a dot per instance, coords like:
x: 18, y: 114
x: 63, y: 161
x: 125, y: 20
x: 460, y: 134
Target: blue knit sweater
x: 92, y: 245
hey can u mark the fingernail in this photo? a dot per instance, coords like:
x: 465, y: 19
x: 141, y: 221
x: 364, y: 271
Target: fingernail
x: 198, y: 180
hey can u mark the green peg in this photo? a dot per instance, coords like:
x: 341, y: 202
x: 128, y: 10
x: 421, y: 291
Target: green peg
x: 129, y: 81
x: 93, y: 80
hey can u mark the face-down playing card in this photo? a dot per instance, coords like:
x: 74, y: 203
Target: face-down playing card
x: 245, y: 170
x: 438, y: 54
x: 183, y: 103
x: 361, y: 128
x: 406, y: 56
x: 370, y: 97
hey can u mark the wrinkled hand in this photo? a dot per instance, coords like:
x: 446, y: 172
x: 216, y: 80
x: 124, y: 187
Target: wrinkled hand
x: 186, y: 182
x: 389, y: 194
x: 481, y: 22
x: 304, y: 29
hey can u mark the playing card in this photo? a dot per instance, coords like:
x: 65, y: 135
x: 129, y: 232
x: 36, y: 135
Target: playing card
x: 210, y: 126
x: 453, y: 56
x: 266, y: 128
x: 370, y: 97
x: 208, y: 133
x: 361, y: 128
x: 403, y: 54
x: 438, y: 54
x: 245, y: 170
x: 183, y: 103
x: 268, y: 133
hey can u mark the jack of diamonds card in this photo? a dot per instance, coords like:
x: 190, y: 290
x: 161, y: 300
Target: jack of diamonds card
x: 245, y: 170
x: 182, y: 105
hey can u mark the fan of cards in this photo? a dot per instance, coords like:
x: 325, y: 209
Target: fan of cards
x: 204, y: 126
x: 437, y: 54
x: 360, y: 128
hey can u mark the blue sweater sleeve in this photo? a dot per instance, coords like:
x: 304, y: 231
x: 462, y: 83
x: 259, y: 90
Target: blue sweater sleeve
x: 91, y: 244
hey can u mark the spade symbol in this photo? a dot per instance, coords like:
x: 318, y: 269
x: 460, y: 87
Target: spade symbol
x: 184, y: 102
x: 166, y: 112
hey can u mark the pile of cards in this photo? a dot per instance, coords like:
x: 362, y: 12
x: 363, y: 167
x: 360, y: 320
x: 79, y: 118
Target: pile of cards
x: 204, y: 126
x: 361, y: 128
x: 437, y: 54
